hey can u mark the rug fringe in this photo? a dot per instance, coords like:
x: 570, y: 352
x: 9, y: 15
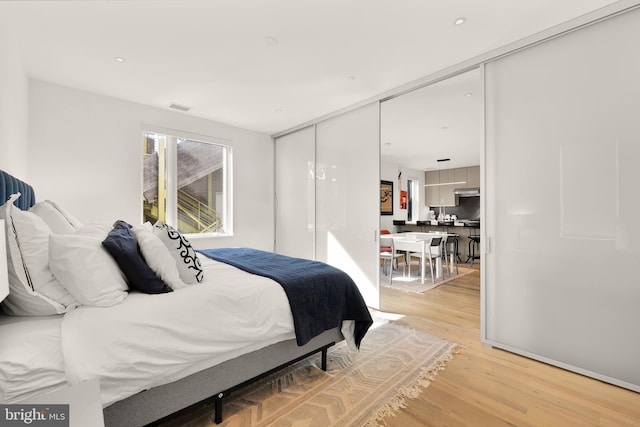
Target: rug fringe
x: 413, y: 390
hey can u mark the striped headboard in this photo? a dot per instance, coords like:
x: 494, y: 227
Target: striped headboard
x: 9, y: 185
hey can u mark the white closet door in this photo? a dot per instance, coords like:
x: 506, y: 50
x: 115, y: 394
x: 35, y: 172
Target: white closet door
x: 295, y: 194
x: 562, y: 206
x: 347, y: 196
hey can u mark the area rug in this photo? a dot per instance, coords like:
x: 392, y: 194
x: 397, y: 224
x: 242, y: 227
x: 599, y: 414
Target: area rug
x: 413, y: 284
x: 361, y: 388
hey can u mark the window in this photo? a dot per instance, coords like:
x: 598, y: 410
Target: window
x: 186, y: 182
x: 413, y: 199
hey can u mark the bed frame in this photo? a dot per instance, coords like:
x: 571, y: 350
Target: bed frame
x: 161, y: 403
x: 158, y: 404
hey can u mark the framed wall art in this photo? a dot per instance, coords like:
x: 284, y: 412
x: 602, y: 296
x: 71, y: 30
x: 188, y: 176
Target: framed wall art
x: 403, y: 199
x: 386, y: 198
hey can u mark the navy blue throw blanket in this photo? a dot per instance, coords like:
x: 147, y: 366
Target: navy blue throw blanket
x: 320, y: 296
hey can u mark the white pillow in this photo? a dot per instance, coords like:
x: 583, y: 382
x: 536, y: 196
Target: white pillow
x: 182, y: 252
x: 157, y: 256
x: 33, y: 289
x: 58, y: 220
x: 85, y: 268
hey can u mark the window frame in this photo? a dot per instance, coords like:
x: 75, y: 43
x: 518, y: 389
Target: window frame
x: 171, y: 177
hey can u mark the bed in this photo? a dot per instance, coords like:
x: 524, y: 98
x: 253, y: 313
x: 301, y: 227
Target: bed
x: 96, y: 301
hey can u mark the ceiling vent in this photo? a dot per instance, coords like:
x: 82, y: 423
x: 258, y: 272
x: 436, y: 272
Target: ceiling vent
x: 179, y: 107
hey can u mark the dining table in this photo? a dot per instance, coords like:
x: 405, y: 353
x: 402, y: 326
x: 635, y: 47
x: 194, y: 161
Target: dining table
x: 418, y: 242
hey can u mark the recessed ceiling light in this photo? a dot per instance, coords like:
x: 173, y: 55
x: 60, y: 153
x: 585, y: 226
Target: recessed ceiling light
x: 460, y: 21
x: 279, y: 110
x: 445, y: 127
x: 352, y: 77
x: 468, y: 94
x: 179, y: 107
x: 119, y: 59
x: 271, y: 41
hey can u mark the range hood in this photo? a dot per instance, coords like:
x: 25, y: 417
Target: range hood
x: 467, y: 192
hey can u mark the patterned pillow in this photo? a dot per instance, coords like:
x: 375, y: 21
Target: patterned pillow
x: 186, y: 257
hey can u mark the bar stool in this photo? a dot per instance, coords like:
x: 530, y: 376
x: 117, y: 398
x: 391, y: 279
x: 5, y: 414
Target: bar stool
x: 457, y: 251
x: 474, y: 242
x: 451, y: 252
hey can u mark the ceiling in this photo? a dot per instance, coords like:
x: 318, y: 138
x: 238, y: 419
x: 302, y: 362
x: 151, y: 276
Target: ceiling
x: 439, y: 121
x: 269, y: 65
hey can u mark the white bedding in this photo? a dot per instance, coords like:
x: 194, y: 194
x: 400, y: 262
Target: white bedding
x: 148, y: 340
x: 31, y: 361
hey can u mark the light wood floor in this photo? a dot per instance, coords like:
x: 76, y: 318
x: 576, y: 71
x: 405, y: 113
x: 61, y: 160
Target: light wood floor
x: 483, y: 386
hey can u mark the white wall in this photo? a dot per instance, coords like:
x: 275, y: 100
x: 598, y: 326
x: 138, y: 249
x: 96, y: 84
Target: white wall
x: 13, y: 107
x: 389, y: 172
x: 85, y: 153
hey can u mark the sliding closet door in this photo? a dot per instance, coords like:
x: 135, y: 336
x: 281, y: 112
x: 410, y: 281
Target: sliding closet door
x: 562, y: 201
x: 295, y: 194
x: 347, y: 196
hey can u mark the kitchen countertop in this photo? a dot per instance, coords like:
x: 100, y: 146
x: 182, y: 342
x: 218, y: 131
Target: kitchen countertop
x: 463, y: 223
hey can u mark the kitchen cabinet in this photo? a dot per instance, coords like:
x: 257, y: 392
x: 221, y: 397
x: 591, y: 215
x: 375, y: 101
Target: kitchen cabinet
x: 439, y: 195
x: 442, y: 195
x: 460, y: 175
x: 432, y: 194
x: 447, y: 198
x: 473, y: 176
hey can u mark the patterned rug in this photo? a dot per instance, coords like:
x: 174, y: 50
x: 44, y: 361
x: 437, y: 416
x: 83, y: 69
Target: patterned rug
x: 412, y: 282
x: 394, y: 363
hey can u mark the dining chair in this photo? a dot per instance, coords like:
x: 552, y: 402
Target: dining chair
x: 431, y: 252
x: 388, y: 253
x: 386, y: 248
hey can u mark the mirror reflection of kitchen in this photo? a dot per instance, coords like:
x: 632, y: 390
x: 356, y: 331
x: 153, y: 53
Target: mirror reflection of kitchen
x: 430, y: 148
